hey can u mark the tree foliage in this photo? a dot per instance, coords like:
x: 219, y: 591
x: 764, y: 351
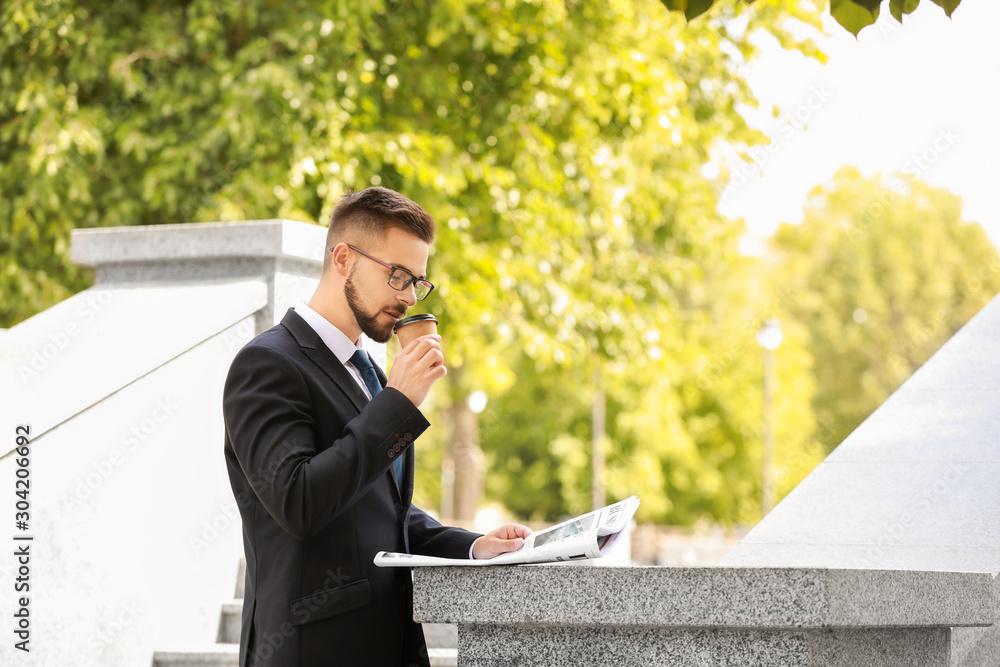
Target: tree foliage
x: 567, y: 151
x: 881, y: 272
x: 561, y: 148
x: 853, y: 15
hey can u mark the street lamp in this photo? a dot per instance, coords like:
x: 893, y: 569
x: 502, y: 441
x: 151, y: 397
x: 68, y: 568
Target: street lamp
x: 463, y: 468
x: 477, y: 401
x: 769, y: 338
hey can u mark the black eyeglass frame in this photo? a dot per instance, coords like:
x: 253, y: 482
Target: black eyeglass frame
x: 392, y: 275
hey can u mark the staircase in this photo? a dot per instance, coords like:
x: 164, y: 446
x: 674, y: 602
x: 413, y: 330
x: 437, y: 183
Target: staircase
x: 226, y: 651
x: 442, y: 639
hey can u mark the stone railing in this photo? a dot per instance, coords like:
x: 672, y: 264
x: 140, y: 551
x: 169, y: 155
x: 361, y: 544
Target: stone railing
x: 572, y: 615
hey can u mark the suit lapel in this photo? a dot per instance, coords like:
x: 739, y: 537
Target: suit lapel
x: 314, y: 348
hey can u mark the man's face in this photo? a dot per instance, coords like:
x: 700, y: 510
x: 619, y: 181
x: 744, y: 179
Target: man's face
x: 377, y: 306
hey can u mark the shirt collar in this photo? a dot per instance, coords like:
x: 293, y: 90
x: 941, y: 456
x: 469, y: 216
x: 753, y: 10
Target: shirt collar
x: 335, y: 339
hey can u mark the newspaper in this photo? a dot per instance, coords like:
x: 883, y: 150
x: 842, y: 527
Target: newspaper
x: 591, y: 535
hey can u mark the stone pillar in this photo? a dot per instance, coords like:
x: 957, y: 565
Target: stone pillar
x: 288, y: 255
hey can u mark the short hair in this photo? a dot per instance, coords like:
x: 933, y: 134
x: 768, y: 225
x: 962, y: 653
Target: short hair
x: 369, y: 214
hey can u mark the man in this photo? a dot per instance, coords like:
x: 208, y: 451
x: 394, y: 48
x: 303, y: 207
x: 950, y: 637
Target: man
x: 313, y: 436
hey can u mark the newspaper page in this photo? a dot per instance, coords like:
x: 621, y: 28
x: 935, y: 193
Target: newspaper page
x: 591, y: 535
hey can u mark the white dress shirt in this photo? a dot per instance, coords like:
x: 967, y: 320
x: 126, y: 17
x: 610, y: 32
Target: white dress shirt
x: 342, y: 348
x: 336, y: 340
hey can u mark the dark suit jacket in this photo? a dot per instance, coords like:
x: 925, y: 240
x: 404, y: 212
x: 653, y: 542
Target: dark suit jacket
x: 310, y: 462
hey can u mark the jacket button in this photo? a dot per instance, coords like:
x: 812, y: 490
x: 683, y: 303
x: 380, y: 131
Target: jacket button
x: 409, y: 437
x: 391, y: 453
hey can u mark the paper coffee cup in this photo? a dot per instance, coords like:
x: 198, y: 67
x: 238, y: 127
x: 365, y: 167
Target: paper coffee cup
x: 415, y: 326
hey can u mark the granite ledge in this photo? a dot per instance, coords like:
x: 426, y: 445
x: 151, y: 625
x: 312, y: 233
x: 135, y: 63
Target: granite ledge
x: 201, y: 240
x: 717, y: 597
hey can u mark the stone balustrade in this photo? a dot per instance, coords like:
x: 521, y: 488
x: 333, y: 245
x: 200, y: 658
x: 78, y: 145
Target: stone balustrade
x: 555, y: 615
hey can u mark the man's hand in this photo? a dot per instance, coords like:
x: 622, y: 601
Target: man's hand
x: 417, y: 366
x: 508, y: 537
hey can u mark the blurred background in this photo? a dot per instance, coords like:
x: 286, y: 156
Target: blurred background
x: 677, y: 259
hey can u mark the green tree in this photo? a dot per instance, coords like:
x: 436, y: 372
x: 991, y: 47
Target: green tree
x: 607, y: 231
x: 683, y: 429
x: 561, y: 148
x: 881, y: 271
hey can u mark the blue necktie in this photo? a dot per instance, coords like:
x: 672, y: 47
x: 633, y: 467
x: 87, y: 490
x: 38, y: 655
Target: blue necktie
x: 363, y: 363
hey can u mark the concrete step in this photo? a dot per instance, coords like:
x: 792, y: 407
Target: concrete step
x: 442, y: 639
x: 241, y: 579
x: 227, y: 655
x: 230, y: 622
x: 218, y: 655
x: 441, y: 635
x: 437, y: 635
x: 443, y: 657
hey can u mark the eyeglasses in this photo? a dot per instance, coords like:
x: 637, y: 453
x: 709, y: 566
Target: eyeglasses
x: 400, y: 278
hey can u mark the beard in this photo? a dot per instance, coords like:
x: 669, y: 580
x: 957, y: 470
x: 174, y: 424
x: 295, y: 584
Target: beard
x: 370, y: 326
